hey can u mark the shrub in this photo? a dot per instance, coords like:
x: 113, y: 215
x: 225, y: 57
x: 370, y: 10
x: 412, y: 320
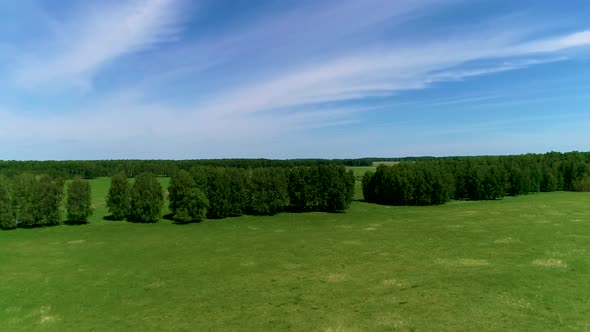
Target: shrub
x: 187, y: 202
x: 119, y: 199
x: 47, y: 200
x: 193, y: 206
x: 269, y: 191
x: 7, y: 218
x: 147, y: 199
x: 79, y: 205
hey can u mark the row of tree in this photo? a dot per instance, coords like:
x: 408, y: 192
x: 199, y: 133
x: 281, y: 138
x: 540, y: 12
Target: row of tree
x: 27, y: 200
x: 219, y: 192
x: 476, y: 178
x: 141, y: 202
x: 107, y: 168
x: 407, y: 184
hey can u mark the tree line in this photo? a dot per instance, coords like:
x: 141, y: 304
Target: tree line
x: 28, y: 200
x: 436, y: 181
x: 105, y: 168
x: 219, y: 192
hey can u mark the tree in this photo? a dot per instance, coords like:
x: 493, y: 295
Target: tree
x: 78, y: 203
x: 192, y: 207
x: 368, y: 186
x: 7, y: 218
x: 118, y: 198
x: 337, y: 186
x: 238, y: 190
x: 305, y: 189
x: 47, y: 200
x: 218, y: 193
x: 269, y: 193
x: 35, y: 200
x: 23, y: 189
x: 187, y: 202
x: 147, y: 198
x: 180, y: 185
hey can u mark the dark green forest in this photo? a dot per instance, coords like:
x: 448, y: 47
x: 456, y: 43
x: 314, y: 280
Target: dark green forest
x: 217, y: 192
x: 100, y: 168
x: 28, y: 200
x: 32, y: 192
x: 436, y: 181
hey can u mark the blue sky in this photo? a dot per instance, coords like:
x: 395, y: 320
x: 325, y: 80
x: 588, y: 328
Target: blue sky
x: 186, y: 79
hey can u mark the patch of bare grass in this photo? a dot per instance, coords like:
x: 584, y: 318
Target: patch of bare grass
x: 550, y: 262
x: 395, y: 283
x: 464, y: 262
x: 389, y: 320
x: 335, y: 277
x: 505, y: 240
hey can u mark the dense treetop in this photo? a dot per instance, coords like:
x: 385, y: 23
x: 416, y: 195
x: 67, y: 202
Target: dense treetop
x: 98, y: 168
x: 476, y: 178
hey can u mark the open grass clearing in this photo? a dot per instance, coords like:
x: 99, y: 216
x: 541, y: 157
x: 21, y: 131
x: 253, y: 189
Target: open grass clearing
x: 459, y: 266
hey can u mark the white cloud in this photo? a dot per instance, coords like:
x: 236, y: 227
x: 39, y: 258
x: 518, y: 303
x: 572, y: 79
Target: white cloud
x: 274, y: 102
x: 91, y: 39
x: 577, y: 39
x: 374, y: 73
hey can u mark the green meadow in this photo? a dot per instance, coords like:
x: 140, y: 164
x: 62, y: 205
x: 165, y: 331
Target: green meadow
x: 518, y: 263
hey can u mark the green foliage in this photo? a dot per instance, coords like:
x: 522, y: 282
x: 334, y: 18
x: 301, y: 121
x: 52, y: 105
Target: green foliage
x: 369, y: 186
x: 476, y: 178
x: 47, y: 200
x: 193, y: 206
x: 408, y: 184
x: 180, y: 185
x: 321, y: 188
x: 582, y: 184
x: 106, y: 168
x: 78, y: 204
x: 187, y: 201
x: 337, y: 188
x: 36, y: 200
x: 269, y: 191
x: 304, y: 189
x: 119, y: 198
x: 239, y: 195
x: 23, y: 192
x: 485, y: 182
x: 7, y: 218
x: 219, y: 193
x: 147, y: 199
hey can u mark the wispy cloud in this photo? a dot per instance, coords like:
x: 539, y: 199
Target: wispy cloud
x: 302, y: 67
x: 90, y: 39
x: 374, y: 73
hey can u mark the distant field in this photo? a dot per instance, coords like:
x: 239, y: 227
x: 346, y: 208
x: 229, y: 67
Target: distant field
x: 359, y: 171
x: 387, y: 163
x: 514, y: 264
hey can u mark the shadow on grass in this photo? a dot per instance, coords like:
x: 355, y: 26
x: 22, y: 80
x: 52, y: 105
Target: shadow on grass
x: 35, y: 226
x: 298, y: 211
x: 137, y: 221
x: 170, y: 217
x: 75, y: 222
x: 111, y: 218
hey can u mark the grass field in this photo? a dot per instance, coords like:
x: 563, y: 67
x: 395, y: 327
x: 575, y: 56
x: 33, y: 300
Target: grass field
x: 359, y: 171
x: 514, y: 264
x: 386, y: 163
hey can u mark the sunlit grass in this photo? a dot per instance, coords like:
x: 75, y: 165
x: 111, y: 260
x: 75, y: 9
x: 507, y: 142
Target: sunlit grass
x: 514, y: 264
